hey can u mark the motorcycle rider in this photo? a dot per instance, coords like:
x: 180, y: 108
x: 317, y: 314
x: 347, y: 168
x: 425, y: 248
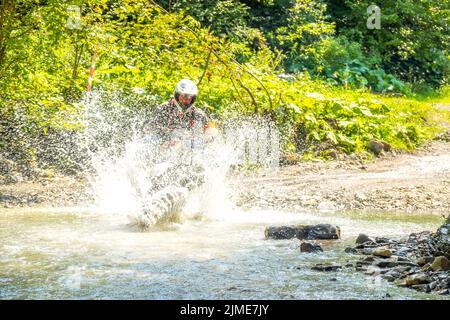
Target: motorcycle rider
x: 180, y: 112
x: 170, y: 188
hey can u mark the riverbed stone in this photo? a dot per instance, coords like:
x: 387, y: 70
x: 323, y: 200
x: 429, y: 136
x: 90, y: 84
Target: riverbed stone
x: 388, y: 277
x: 421, y: 287
x: 350, y: 250
x: 326, y: 267
x: 433, y: 285
x: 324, y: 232
x: 278, y: 233
x: 440, y: 264
x: 426, y: 267
x: 418, y: 278
x: 444, y: 292
x: 382, y: 252
x: 304, y: 232
x: 421, y: 261
x: 362, y: 238
x: 310, y: 247
x: 386, y: 263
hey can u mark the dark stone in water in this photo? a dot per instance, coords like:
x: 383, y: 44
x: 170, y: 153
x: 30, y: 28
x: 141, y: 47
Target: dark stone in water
x: 362, y: 238
x: 323, y: 232
x: 304, y: 232
x: 386, y: 263
x: 382, y: 240
x: 421, y: 287
x: 278, y: 233
x: 326, y: 267
x: 360, y: 268
x: 444, y: 292
x: 310, y: 247
x: 349, y: 265
x: 351, y: 250
x: 421, y: 261
x: 418, y: 278
x: 388, y: 277
x: 369, y: 259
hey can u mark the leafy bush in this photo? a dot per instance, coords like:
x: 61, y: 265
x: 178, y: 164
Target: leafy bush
x: 142, y: 48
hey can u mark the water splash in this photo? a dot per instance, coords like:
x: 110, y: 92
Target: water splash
x: 131, y: 176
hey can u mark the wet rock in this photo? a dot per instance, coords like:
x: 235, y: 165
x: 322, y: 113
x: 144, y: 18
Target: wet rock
x: 382, y: 252
x: 403, y: 251
x: 363, y: 263
x: 400, y: 282
x: 443, y: 292
x: 279, y: 233
x: 426, y: 267
x: 419, y: 278
x: 360, y: 268
x: 369, y: 259
x: 440, y: 264
x: 393, y: 273
x: 326, y: 267
x: 386, y: 263
x: 304, y: 232
x: 310, y: 247
x: 415, y: 238
x: 407, y: 263
x: 421, y: 261
x: 433, y: 285
x: 362, y: 238
x: 400, y: 259
x: 350, y: 250
x: 421, y: 287
x: 324, y: 232
x: 382, y: 240
x: 388, y: 277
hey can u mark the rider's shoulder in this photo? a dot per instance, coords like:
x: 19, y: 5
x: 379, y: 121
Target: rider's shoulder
x: 165, y: 105
x: 200, y: 113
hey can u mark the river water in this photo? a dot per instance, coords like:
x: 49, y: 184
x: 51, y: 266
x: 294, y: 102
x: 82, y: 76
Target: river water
x: 93, y: 252
x: 81, y: 253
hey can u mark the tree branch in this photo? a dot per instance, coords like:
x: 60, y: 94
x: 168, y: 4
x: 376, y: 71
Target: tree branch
x: 206, y: 67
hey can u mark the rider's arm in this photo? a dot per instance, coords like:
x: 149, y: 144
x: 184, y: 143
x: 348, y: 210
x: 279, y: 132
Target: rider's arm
x: 209, y: 128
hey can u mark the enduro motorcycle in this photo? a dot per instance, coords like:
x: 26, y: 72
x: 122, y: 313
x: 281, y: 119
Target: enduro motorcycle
x: 173, y: 168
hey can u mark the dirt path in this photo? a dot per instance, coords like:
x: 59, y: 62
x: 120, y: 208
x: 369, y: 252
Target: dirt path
x: 419, y: 182
x: 57, y: 191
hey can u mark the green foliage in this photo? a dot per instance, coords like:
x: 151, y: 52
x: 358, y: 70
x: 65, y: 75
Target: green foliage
x: 342, y: 62
x: 44, y: 67
x: 304, y: 26
x: 412, y: 43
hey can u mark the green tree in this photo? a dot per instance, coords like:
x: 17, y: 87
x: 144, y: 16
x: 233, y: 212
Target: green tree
x: 412, y: 42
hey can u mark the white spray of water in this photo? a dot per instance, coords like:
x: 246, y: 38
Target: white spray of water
x: 124, y: 167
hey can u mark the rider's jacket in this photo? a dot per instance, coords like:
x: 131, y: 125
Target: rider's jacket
x: 169, y: 116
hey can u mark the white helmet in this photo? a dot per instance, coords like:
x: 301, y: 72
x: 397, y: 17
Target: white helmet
x: 187, y: 88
